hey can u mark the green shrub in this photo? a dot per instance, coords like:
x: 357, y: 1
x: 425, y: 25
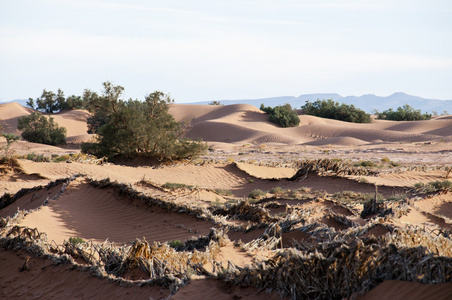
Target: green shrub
x: 176, y: 186
x: 61, y: 158
x: 433, y: 186
x: 419, y: 185
x: 282, y: 115
x: 333, y: 110
x: 76, y: 240
x: 404, y: 113
x: 51, y: 102
x: 438, y: 185
x: 223, y: 192
x: 367, y: 163
x: 7, y: 151
x: 397, y: 197
x: 175, y: 244
x: 37, y: 128
x: 277, y: 190
x: 385, y: 160
x: 37, y: 157
x: 257, y: 194
x: 136, y: 129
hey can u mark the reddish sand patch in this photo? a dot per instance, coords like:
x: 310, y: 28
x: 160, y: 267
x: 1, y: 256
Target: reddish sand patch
x: 214, y: 289
x: 44, y: 280
x: 99, y: 214
x: 290, y: 239
x: 402, y: 290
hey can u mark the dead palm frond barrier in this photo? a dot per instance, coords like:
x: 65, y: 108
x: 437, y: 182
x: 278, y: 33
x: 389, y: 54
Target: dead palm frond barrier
x: 246, y: 211
x: 163, y: 265
x: 336, y: 271
x: 331, y: 167
x: 8, y: 199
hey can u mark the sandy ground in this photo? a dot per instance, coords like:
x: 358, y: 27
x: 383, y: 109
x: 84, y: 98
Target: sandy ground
x: 249, y: 153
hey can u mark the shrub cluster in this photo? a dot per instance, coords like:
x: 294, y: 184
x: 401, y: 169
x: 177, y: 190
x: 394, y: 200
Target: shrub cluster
x: 40, y: 129
x: 282, y: 115
x: 136, y: 129
x: 433, y: 186
x: 404, y: 113
x: 50, y: 102
x: 333, y: 110
x: 257, y: 194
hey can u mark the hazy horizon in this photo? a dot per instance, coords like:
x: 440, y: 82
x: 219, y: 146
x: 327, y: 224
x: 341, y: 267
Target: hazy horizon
x: 219, y: 50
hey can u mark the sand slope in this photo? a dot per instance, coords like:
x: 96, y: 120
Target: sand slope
x: 73, y: 120
x: 98, y: 214
x: 45, y: 280
x: 242, y: 123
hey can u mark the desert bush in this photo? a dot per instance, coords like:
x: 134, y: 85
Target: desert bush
x: 223, y: 192
x: 367, y: 163
x: 176, y: 186
x: 438, y: 184
x: 404, y: 113
x: 136, y: 129
x: 76, y: 240
x: 385, y: 160
x: 351, y: 197
x: 419, y: 185
x: 7, y: 151
x: 175, y: 244
x: 50, y: 102
x: 433, y: 186
x: 36, y: 157
x: 282, y: 115
x: 37, y: 128
x: 60, y: 158
x: 333, y: 110
x: 257, y: 194
x: 277, y: 191
x: 397, y: 197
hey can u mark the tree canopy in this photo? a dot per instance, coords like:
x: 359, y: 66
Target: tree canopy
x: 134, y: 128
x: 282, y: 115
x: 404, y: 113
x: 40, y: 129
x: 333, y: 110
x: 51, y: 102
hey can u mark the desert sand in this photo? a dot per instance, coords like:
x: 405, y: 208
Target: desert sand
x: 57, y: 201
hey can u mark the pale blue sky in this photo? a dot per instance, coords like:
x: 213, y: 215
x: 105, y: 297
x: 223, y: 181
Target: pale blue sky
x: 213, y: 50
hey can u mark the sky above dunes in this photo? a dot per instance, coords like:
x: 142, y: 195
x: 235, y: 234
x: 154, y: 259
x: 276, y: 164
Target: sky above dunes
x: 214, y: 50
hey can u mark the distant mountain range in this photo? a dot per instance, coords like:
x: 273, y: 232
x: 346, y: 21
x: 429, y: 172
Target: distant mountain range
x: 365, y: 102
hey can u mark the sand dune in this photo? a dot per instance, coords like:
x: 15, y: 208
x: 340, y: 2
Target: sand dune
x: 241, y: 124
x: 440, y: 205
x: 216, y: 176
x: 98, y: 214
x: 237, y: 132
x: 47, y: 280
x: 246, y: 124
x: 10, y: 113
x: 73, y: 120
x: 266, y: 172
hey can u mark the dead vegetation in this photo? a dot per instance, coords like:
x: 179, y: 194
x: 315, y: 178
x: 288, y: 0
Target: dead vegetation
x: 316, y: 248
